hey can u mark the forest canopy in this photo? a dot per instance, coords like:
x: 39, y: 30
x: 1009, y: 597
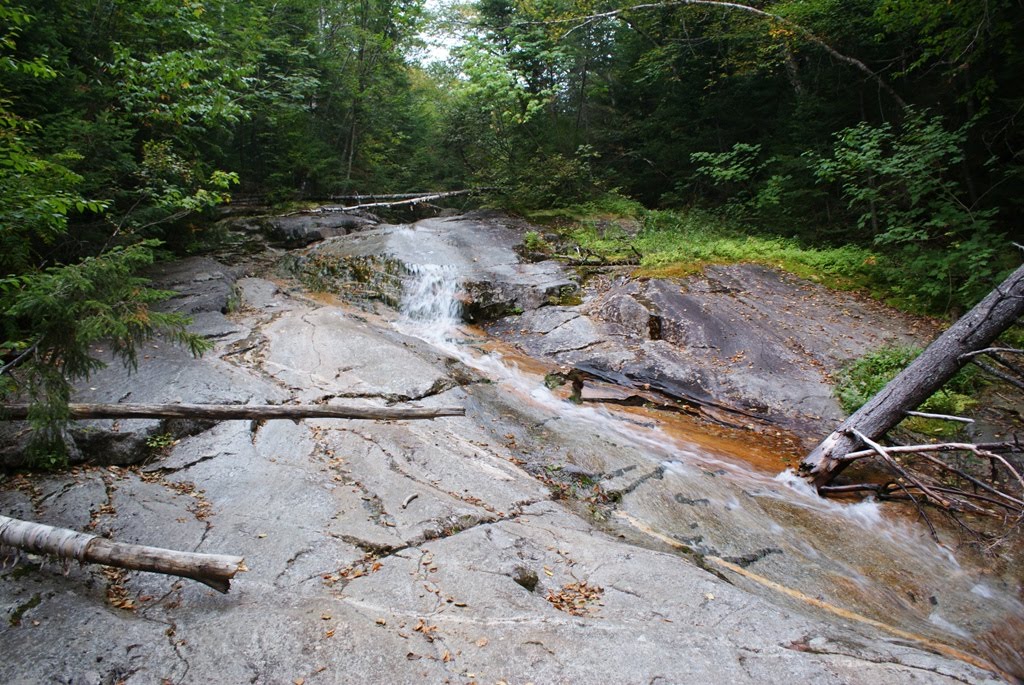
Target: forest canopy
x: 889, y: 126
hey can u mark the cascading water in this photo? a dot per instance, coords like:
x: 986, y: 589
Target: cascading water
x: 852, y: 554
x: 430, y: 307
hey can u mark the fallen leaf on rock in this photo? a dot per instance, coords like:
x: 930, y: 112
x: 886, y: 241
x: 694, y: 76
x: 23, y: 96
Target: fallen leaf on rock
x: 574, y: 597
x: 382, y: 622
x: 413, y: 657
x: 329, y: 633
x: 446, y: 657
x: 299, y: 681
x: 427, y: 631
x: 326, y: 617
x: 482, y: 642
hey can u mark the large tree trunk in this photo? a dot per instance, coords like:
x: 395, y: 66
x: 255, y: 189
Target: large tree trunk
x: 215, y: 570
x: 929, y: 372
x: 225, y: 412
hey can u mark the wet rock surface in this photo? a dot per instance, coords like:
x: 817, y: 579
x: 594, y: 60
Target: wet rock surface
x: 748, y: 342
x: 304, y: 228
x: 480, y: 246
x: 529, y: 541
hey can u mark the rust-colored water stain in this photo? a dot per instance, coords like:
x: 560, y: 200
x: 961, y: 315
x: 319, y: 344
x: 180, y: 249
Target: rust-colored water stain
x: 768, y: 453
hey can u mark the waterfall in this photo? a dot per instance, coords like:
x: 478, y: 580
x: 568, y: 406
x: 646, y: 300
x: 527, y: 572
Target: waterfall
x: 430, y: 307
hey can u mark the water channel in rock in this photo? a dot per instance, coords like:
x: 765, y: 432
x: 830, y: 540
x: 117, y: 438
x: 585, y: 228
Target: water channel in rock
x: 764, y: 530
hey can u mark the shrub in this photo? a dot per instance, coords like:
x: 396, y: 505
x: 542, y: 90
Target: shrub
x: 865, y: 377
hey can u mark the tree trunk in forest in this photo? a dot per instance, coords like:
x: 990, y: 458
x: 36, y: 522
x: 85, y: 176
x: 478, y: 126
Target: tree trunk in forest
x: 227, y: 412
x: 925, y: 375
x: 215, y: 570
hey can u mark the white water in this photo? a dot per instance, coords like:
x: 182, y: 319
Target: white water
x: 431, y: 311
x: 430, y: 307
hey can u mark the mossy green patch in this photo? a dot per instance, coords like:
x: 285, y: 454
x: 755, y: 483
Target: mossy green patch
x: 19, y: 612
x: 679, y: 243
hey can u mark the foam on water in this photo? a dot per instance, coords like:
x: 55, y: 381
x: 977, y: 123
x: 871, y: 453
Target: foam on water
x: 430, y: 306
x: 867, y: 512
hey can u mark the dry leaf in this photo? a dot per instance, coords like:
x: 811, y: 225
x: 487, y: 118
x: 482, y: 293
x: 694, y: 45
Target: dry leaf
x: 326, y: 617
x: 574, y: 597
x: 299, y: 681
x: 482, y: 642
x: 382, y: 622
x: 329, y: 633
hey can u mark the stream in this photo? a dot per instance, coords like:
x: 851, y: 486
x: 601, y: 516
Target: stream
x: 766, y: 531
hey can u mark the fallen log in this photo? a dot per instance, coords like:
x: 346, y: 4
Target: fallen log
x: 226, y: 412
x: 214, y: 570
x: 377, y: 197
x: 413, y: 200
x: 975, y: 331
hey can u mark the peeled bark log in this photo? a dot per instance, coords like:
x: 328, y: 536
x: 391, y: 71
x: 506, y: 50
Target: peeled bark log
x: 411, y: 199
x: 944, y: 357
x: 215, y: 570
x: 225, y: 412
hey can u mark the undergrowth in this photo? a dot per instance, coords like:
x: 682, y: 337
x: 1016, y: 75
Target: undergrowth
x: 674, y: 243
x: 862, y: 379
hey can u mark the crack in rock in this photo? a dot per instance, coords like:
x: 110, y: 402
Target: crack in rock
x: 382, y: 550
x: 290, y: 562
x: 168, y: 470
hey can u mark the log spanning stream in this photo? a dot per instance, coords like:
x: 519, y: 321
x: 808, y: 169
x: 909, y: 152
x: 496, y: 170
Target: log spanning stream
x: 767, y: 532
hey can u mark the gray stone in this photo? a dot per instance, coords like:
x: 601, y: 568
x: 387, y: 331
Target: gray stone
x: 299, y: 230
x: 327, y: 354
x: 495, y: 282
x: 740, y: 336
x: 412, y: 552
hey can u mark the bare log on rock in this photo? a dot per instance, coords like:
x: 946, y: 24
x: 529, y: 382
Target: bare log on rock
x: 214, y: 570
x: 411, y: 200
x: 226, y: 412
x: 975, y: 331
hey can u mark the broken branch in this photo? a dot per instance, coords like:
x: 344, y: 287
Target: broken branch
x: 895, y: 466
x: 941, y: 447
x: 990, y: 350
x: 941, y: 417
x: 998, y: 374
